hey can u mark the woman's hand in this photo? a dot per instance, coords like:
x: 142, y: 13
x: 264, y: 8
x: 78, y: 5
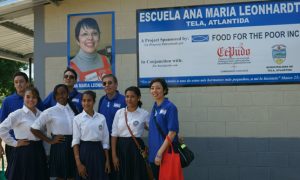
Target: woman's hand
x: 82, y: 170
x: 57, y: 139
x: 1, y: 151
x: 115, y: 160
x: 22, y: 142
x: 157, y: 159
x: 107, y: 167
x: 146, y: 127
x: 180, y: 139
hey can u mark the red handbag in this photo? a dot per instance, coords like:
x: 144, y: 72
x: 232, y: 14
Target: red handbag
x: 170, y: 166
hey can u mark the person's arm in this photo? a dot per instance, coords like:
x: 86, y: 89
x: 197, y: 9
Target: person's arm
x: 39, y: 124
x: 163, y: 147
x: 173, y: 126
x: 107, y: 161
x: 1, y: 149
x: 80, y: 167
x: 115, y: 158
x: 75, y: 144
x: 114, y: 139
x: 6, y: 126
x: 57, y: 139
x: 147, y: 119
x: 105, y: 145
x: 3, y: 115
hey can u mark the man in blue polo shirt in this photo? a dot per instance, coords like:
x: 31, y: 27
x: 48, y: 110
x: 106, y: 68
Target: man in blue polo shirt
x: 109, y: 104
x: 14, y: 102
x: 70, y: 79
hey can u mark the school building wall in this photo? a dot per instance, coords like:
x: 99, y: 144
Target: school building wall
x: 237, y: 132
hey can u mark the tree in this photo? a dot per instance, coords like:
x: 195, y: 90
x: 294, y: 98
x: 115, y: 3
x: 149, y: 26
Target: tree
x: 7, y: 70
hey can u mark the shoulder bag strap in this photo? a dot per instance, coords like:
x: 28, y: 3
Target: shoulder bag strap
x: 133, y: 137
x: 157, y: 126
x: 160, y: 130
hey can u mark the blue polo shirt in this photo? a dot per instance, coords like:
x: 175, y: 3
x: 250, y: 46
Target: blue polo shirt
x: 75, y: 97
x: 109, y: 107
x: 167, y: 117
x: 12, y: 103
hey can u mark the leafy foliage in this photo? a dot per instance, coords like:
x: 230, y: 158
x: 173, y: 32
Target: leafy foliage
x: 7, y: 70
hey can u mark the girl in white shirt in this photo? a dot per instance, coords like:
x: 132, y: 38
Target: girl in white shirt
x: 29, y: 158
x: 90, y: 141
x: 59, y: 119
x: 126, y: 156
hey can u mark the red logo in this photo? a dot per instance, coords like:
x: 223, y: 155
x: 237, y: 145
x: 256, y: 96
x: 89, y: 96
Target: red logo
x: 233, y: 52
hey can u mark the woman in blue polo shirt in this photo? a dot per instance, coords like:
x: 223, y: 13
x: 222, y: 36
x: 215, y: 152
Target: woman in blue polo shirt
x: 164, y: 113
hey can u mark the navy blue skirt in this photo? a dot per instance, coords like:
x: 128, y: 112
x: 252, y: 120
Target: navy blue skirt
x: 62, y: 161
x: 28, y: 163
x: 132, y: 165
x: 92, y: 156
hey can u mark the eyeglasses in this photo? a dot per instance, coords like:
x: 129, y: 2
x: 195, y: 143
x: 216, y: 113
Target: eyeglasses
x: 94, y: 33
x: 69, y: 76
x: 104, y: 83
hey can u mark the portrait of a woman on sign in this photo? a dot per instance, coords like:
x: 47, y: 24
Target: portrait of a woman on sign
x: 90, y: 46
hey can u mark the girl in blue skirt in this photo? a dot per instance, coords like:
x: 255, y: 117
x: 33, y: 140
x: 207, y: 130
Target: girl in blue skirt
x: 90, y: 141
x: 28, y: 160
x: 126, y: 156
x: 59, y: 119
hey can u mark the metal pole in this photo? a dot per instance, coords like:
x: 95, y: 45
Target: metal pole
x: 30, y: 69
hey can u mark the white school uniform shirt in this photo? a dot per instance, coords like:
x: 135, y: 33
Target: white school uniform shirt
x: 136, y: 122
x: 58, y: 118
x: 20, y: 121
x: 90, y: 128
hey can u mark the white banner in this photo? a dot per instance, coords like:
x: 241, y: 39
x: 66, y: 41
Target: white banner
x: 244, y: 43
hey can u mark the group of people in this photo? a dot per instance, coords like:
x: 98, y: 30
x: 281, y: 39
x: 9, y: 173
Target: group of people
x: 85, y: 144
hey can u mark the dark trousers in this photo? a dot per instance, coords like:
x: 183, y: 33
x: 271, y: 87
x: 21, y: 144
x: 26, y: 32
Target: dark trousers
x: 8, y: 153
x: 155, y: 170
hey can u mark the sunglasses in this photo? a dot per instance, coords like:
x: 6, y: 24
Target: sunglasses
x: 69, y: 76
x: 107, y: 83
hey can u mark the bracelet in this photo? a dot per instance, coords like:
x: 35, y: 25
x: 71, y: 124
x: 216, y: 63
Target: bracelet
x: 158, y: 156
